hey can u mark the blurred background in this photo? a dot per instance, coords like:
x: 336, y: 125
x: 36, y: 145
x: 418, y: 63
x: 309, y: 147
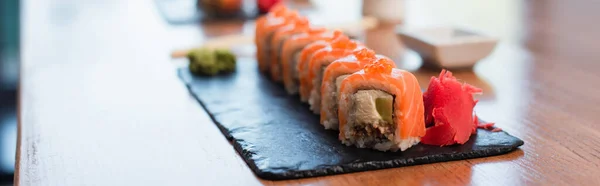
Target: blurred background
x: 9, y: 74
x: 535, y: 43
x: 186, y: 14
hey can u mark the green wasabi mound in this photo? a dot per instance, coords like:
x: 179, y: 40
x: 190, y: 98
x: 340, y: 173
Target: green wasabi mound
x: 208, y: 62
x: 202, y: 62
x: 226, y: 60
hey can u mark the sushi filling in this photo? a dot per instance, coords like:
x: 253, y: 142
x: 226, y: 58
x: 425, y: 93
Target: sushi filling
x: 338, y: 85
x: 295, y: 60
x: 371, y: 123
x: 267, y: 51
x: 332, y: 105
x: 277, y: 66
x: 292, y: 87
x: 315, y: 93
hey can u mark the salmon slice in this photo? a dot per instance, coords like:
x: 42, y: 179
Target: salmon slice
x: 300, y: 25
x: 291, y: 54
x: 260, y: 23
x: 407, y: 125
x: 332, y: 77
x: 305, y: 56
x: 265, y: 34
x: 319, y: 61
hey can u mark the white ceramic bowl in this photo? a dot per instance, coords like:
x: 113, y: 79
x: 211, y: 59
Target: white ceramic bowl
x: 448, y: 47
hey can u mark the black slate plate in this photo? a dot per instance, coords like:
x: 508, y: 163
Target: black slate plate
x: 279, y: 138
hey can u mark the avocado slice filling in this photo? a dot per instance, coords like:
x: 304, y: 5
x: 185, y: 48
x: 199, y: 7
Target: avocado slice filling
x: 372, y: 116
x: 384, y: 108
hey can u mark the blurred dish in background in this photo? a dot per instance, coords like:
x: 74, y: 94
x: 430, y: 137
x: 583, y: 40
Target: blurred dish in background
x: 448, y: 47
x: 220, y: 8
x: 193, y: 11
x: 387, y: 11
x: 265, y: 5
x: 179, y: 12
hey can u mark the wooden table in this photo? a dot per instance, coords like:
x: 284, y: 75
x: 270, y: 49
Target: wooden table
x: 100, y: 103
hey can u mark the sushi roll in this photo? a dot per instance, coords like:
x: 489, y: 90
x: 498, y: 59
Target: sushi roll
x: 381, y: 107
x: 319, y: 61
x: 291, y: 54
x: 270, y: 24
x: 305, y: 56
x: 300, y: 25
x: 276, y: 11
x: 333, y: 76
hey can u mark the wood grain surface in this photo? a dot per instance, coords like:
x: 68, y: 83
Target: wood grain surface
x: 100, y: 102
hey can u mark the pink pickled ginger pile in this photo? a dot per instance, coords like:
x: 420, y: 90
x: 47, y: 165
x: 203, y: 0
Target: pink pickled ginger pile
x: 449, y: 111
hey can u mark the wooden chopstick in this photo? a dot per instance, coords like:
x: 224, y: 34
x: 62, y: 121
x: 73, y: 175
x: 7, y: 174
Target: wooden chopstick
x: 365, y: 23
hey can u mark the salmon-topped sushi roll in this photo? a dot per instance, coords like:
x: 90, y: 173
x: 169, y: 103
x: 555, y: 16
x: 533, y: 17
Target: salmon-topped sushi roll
x: 279, y: 19
x: 333, y: 76
x: 260, y: 23
x: 381, y: 107
x: 305, y: 56
x: 300, y: 25
x: 291, y: 54
x: 319, y: 61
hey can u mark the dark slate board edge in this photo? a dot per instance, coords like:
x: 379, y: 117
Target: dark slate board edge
x: 250, y: 162
x: 380, y: 165
x: 188, y: 86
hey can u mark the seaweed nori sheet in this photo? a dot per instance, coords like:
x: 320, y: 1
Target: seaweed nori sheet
x: 279, y: 138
